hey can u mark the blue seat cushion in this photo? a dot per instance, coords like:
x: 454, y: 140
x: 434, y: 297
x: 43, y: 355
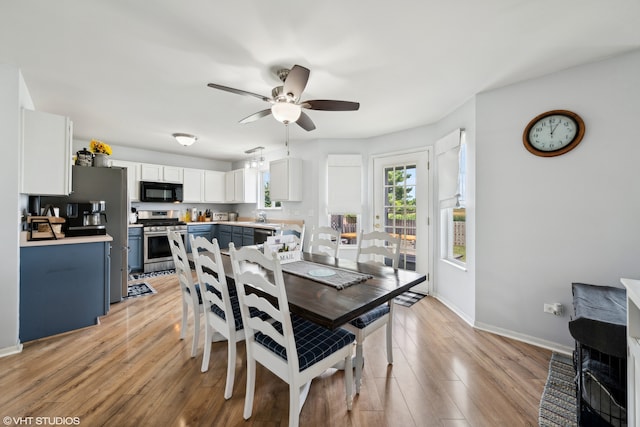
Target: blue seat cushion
x: 313, y: 342
x: 364, y: 320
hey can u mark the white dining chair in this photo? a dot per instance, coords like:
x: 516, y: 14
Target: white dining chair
x: 296, y: 230
x: 190, y: 291
x: 325, y: 241
x: 374, y: 248
x: 294, y: 349
x: 221, y: 309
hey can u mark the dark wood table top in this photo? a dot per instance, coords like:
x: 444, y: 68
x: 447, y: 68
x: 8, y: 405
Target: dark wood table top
x: 332, y: 308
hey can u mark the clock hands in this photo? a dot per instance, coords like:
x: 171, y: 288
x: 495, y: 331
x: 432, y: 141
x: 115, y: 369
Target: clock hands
x: 554, y: 129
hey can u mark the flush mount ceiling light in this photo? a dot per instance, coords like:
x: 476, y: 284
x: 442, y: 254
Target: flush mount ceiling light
x: 185, y: 139
x: 286, y: 112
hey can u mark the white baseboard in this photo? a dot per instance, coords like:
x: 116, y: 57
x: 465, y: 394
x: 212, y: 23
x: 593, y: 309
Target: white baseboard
x: 506, y: 332
x: 461, y: 314
x: 8, y: 351
x: 553, y: 346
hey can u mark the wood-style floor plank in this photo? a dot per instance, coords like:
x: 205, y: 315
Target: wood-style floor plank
x: 133, y: 370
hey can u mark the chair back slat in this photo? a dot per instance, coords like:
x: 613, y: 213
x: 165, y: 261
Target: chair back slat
x: 208, y: 263
x: 296, y: 230
x: 325, y: 241
x: 378, y: 244
x: 270, y: 283
x: 181, y: 263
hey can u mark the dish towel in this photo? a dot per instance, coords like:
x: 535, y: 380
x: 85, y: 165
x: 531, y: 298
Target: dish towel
x: 332, y: 276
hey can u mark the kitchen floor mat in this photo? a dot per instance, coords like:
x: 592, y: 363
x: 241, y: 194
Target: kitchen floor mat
x: 408, y: 298
x: 139, y: 290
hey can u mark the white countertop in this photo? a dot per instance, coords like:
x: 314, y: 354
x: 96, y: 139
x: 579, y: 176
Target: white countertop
x: 24, y: 243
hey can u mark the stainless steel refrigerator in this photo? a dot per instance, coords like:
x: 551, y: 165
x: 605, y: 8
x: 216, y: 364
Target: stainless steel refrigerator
x: 108, y: 184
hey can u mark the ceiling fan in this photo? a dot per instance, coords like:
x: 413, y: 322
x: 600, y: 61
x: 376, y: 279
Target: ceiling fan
x: 286, y: 106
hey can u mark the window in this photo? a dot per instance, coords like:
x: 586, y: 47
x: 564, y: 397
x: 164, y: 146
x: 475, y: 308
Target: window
x: 348, y: 226
x: 452, y: 188
x: 265, y: 200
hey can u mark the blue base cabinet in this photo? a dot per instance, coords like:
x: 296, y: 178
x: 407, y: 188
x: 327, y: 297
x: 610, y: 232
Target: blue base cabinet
x: 62, y: 288
x: 136, y: 261
x: 224, y: 235
x: 201, y: 230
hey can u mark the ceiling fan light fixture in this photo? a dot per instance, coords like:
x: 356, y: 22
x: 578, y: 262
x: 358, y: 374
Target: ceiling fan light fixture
x: 185, y: 139
x: 286, y: 112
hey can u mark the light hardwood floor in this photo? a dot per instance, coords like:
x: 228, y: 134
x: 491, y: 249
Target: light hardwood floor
x: 133, y: 370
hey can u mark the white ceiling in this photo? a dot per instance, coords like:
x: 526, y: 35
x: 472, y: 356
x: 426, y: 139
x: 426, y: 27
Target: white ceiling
x: 132, y: 72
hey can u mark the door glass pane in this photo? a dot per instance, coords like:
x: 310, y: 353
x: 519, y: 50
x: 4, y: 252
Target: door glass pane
x: 400, y: 210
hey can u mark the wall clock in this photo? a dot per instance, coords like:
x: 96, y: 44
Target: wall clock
x: 553, y: 133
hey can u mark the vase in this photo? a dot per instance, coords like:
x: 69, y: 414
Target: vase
x: 100, y: 160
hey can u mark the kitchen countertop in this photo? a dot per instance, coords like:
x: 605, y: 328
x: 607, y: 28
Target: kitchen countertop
x: 24, y: 243
x: 266, y: 225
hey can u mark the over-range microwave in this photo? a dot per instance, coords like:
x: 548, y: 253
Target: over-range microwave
x: 160, y: 192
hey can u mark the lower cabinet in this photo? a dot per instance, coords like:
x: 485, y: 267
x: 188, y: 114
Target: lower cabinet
x: 236, y: 236
x: 224, y: 236
x: 62, y: 287
x: 201, y: 230
x: 247, y: 236
x: 136, y: 250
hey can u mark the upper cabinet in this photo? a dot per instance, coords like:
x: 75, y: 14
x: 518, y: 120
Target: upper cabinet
x: 193, y: 185
x: 133, y: 177
x: 46, y: 153
x: 241, y: 186
x: 285, y: 180
x: 214, y: 186
x: 159, y: 173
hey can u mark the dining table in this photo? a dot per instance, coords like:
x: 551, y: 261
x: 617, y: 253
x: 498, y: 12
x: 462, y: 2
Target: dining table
x: 333, y: 307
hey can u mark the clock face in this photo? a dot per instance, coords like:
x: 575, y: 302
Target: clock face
x: 553, y: 133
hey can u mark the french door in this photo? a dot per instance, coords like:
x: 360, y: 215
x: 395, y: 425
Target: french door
x: 401, y: 190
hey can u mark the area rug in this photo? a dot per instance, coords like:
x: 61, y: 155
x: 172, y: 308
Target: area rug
x: 408, y: 298
x: 140, y: 289
x: 138, y: 276
x: 558, y: 402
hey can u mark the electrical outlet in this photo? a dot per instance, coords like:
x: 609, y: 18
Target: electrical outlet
x: 554, y: 308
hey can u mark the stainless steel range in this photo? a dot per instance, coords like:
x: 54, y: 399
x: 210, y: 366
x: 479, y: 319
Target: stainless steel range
x: 157, y: 252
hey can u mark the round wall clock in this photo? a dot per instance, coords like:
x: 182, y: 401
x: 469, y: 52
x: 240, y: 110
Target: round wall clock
x: 553, y: 133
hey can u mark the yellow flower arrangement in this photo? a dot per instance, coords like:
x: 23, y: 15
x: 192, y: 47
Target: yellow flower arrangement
x: 97, y: 146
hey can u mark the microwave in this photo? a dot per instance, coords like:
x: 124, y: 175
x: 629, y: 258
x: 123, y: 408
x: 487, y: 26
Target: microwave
x: 160, y: 192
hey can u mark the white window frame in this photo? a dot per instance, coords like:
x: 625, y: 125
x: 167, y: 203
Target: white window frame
x: 452, y: 189
x: 261, y: 206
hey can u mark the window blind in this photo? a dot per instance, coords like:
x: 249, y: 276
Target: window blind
x: 448, y: 158
x: 344, y: 183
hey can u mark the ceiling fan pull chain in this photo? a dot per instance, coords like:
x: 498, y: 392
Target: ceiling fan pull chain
x: 286, y: 141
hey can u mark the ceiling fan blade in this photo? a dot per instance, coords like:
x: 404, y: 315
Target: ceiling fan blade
x: 305, y: 122
x: 330, y: 105
x: 239, y: 92
x: 296, y: 81
x: 256, y: 116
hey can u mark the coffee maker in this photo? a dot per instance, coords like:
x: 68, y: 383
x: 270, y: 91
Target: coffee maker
x: 86, y: 219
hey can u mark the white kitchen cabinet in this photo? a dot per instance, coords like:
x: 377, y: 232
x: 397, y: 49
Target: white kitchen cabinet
x: 172, y: 174
x: 46, y: 153
x: 160, y: 173
x: 214, y: 186
x: 285, y: 180
x: 633, y: 350
x: 241, y: 186
x: 193, y: 185
x: 133, y: 177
